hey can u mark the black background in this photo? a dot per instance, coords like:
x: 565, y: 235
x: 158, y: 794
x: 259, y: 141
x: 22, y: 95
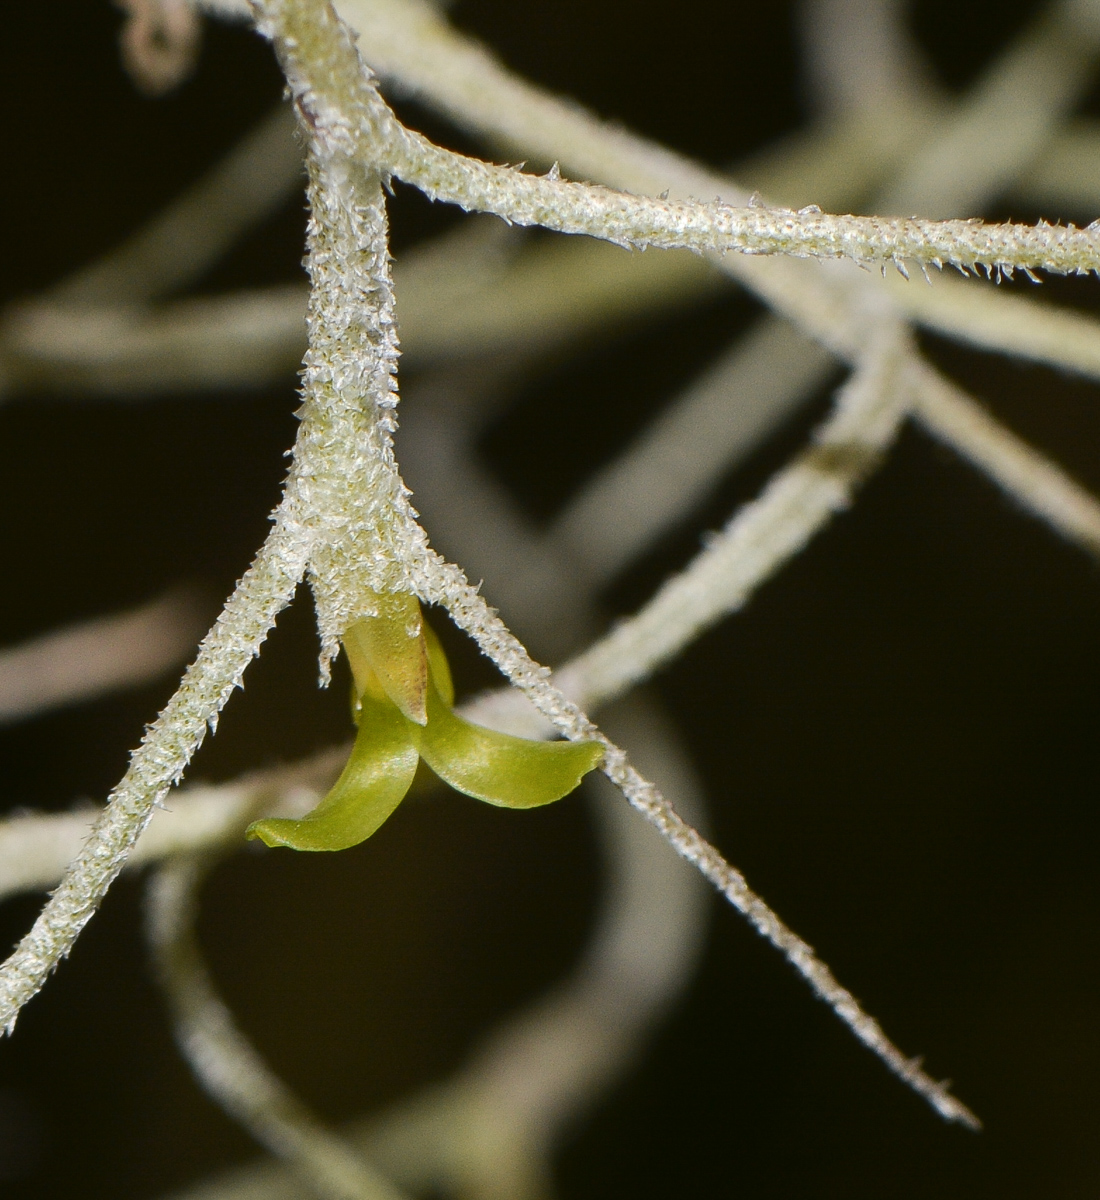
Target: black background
x: 898, y: 736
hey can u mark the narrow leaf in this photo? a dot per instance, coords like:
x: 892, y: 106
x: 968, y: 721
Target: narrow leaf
x: 508, y: 771
x: 389, y: 650
x: 374, y: 782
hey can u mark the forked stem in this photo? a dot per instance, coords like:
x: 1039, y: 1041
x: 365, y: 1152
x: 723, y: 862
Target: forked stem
x: 346, y: 517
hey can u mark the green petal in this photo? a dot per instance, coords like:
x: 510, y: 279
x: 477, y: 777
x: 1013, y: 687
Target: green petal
x: 389, y: 650
x: 438, y: 666
x: 374, y: 782
x: 498, y: 768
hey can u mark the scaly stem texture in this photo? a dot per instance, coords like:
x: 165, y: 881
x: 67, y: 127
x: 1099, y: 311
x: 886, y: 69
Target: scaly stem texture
x: 343, y: 511
x: 159, y: 761
x: 339, y: 84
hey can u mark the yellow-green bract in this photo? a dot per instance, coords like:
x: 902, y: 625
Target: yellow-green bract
x: 403, y: 704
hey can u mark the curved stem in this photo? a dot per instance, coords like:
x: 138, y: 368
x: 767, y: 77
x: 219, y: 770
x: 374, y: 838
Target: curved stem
x: 226, y: 1063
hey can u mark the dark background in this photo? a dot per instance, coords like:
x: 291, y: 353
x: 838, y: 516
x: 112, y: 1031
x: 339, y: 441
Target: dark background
x: 898, y: 736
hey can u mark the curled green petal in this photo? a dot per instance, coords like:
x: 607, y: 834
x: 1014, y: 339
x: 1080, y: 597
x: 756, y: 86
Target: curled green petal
x: 389, y: 651
x: 438, y: 667
x: 500, y: 769
x: 374, y: 782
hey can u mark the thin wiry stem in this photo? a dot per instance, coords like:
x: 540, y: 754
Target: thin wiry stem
x: 869, y: 413
x: 626, y: 778
x: 488, y: 1132
x: 438, y: 581
x: 470, y: 611
x: 1007, y: 462
x: 792, y: 507
x: 525, y: 1083
x: 861, y: 61
x: 91, y: 334
x: 714, y: 423
x: 485, y: 1132
x: 340, y: 104
x: 91, y: 331
x: 194, y: 231
x: 529, y: 1078
x: 475, y: 291
x: 1004, y: 121
x: 1027, y: 476
x: 236, y: 340
x: 762, y: 536
x: 472, y: 521
x: 160, y: 760
x: 446, y: 309
x: 339, y: 84
x: 228, y: 1065
x: 342, y: 506
x: 460, y: 296
x: 979, y: 315
x: 412, y: 43
x: 35, y: 849
x: 538, y: 299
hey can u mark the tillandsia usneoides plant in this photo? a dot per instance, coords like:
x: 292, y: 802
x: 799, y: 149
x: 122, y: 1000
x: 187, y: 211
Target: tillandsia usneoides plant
x: 835, y: 289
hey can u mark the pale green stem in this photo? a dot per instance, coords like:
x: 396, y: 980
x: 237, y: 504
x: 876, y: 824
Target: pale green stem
x: 341, y: 510
x: 370, y: 130
x: 797, y: 502
x: 35, y: 849
x: 448, y: 587
x: 977, y: 314
x: 867, y: 420
x: 1027, y: 476
x: 539, y: 299
x: 341, y: 106
x: 195, y: 230
x: 160, y: 760
x: 238, y: 340
x: 411, y: 42
x: 1005, y: 120
x: 705, y: 431
x: 94, y: 658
